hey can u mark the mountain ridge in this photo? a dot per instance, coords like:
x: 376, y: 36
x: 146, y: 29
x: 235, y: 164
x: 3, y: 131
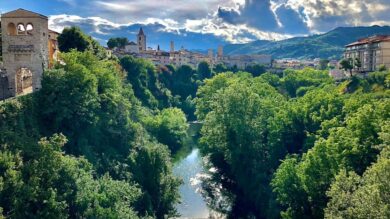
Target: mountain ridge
x: 326, y: 45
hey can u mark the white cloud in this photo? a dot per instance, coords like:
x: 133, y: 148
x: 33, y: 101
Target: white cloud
x: 200, y: 16
x: 231, y: 33
x: 59, y: 22
x: 323, y: 15
x: 163, y: 9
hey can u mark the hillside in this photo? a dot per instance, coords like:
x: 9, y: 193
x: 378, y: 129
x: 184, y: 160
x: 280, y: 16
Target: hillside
x: 327, y: 45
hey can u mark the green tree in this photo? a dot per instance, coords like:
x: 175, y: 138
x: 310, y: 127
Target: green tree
x: 220, y: 68
x: 272, y: 79
x: 347, y: 65
x: 170, y: 127
x: 144, y: 78
x: 352, y: 196
x: 382, y: 68
x: 117, y: 42
x: 295, y: 79
x: 73, y: 38
x: 184, y: 82
x: 323, y: 64
x: 49, y: 184
x: 242, y: 140
x: 204, y: 70
x: 357, y: 63
x: 350, y: 147
x: 151, y: 168
x: 255, y: 69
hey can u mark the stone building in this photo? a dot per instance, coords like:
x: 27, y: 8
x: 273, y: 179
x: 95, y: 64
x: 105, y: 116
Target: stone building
x: 132, y: 48
x: 243, y: 61
x: 25, y: 51
x: 372, y: 52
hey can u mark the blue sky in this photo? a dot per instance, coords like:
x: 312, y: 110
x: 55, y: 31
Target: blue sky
x: 202, y: 24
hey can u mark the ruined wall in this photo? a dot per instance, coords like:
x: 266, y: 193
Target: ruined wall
x: 24, y: 50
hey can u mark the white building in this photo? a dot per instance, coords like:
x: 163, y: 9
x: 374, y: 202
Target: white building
x: 132, y: 47
x: 242, y: 61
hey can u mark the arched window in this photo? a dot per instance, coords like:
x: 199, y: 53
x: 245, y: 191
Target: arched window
x: 29, y: 28
x: 21, y: 29
x: 11, y: 29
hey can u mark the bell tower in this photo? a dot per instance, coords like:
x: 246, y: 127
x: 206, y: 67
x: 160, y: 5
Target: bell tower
x: 141, y: 40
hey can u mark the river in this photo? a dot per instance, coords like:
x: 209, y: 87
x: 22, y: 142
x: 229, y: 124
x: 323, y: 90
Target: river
x: 189, y: 166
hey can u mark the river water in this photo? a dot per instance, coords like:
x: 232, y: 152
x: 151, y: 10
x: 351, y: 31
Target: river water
x: 188, y: 167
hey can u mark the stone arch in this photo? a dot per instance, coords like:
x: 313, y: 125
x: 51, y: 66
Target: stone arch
x: 24, y: 83
x: 21, y: 29
x: 29, y: 28
x: 11, y: 29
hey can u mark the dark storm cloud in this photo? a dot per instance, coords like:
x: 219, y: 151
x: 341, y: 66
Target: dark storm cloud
x: 292, y: 21
x: 259, y: 14
x: 255, y: 13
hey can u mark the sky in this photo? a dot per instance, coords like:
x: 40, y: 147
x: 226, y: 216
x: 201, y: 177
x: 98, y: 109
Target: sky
x: 202, y: 24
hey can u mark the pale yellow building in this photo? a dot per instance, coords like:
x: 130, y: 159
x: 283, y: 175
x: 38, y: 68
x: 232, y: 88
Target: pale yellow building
x: 372, y: 52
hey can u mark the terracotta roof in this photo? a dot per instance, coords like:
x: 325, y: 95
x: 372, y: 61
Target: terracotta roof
x: 373, y: 39
x: 23, y: 14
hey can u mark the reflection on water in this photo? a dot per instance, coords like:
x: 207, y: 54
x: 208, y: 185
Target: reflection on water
x: 189, y: 168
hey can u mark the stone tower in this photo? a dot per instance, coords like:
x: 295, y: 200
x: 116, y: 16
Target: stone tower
x: 141, y: 39
x: 210, y: 53
x: 220, y: 51
x: 172, y: 47
x: 25, y: 51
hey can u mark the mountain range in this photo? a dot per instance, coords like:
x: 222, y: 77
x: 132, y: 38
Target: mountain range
x: 328, y: 45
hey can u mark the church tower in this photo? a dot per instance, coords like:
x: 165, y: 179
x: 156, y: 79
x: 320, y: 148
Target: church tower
x: 141, y: 39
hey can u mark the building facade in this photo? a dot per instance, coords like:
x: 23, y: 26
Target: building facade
x: 371, y: 52
x: 25, y: 45
x: 28, y: 48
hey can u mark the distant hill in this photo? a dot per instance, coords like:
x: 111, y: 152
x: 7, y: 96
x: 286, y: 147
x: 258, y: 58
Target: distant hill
x: 327, y: 45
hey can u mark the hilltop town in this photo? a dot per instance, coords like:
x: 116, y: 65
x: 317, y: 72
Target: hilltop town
x: 185, y: 57
x: 29, y: 47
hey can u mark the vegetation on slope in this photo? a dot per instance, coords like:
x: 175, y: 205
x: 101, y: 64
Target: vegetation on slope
x: 328, y: 45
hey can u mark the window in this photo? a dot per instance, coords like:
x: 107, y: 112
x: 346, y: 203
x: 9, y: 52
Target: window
x: 29, y: 28
x: 11, y: 29
x: 21, y: 29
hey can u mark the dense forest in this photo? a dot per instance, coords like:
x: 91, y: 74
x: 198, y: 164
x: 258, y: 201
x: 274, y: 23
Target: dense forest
x: 296, y: 145
x: 97, y: 140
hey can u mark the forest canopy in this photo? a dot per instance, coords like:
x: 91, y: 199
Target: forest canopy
x: 97, y: 140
